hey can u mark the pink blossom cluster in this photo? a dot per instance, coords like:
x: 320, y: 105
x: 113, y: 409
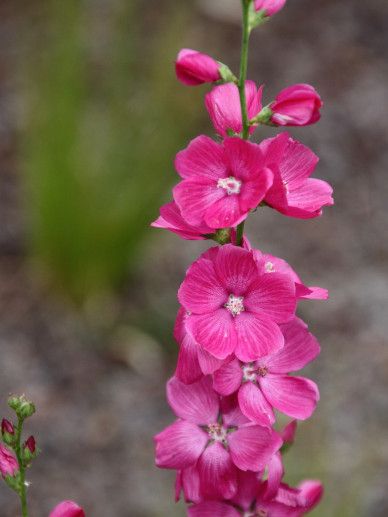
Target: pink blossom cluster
x: 240, y: 340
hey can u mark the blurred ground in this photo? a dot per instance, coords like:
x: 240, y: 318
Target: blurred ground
x: 97, y: 370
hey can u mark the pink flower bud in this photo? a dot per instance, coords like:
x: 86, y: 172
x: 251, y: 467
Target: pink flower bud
x: 30, y: 444
x: 269, y: 6
x: 67, y: 509
x: 194, y: 68
x: 8, y: 464
x: 7, y: 427
x: 297, y: 105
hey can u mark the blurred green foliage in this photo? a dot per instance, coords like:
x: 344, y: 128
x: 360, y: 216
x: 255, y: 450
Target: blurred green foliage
x: 105, y: 119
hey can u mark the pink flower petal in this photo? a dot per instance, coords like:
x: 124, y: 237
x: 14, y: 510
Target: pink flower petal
x: 254, y: 405
x: 217, y: 473
x: 67, y: 509
x: 171, y: 219
x: 188, y: 369
x: 188, y: 481
x: 254, y: 191
x: 215, y: 332
x: 198, y: 403
x: 245, y: 159
x: 274, y: 295
x: 231, y: 413
x: 300, y: 348
x: 224, y: 212
x: 248, y: 484
x: 307, y: 200
x: 212, y: 509
x: 207, y: 362
x: 294, y: 396
x: 310, y: 493
x: 228, y: 378
x: 202, y: 158
x: 257, y: 336
x: 179, y: 445
x: 275, y: 475
x: 252, y: 447
x: 201, y: 292
x: 236, y: 269
x: 195, y: 196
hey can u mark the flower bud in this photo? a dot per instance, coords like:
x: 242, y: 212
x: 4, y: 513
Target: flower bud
x: 29, y: 449
x: 194, y: 68
x: 8, y: 463
x: 297, y: 105
x: 270, y: 7
x: 7, y: 431
x: 67, y: 509
x: 23, y: 407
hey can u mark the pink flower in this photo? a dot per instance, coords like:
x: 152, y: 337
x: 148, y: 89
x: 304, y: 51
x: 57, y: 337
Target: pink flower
x: 212, y: 437
x: 265, y: 384
x: 223, y: 105
x: 194, y: 68
x: 8, y: 463
x: 297, y: 105
x: 234, y: 305
x: 293, y: 192
x: 270, y: 7
x: 67, y: 509
x: 221, y: 182
x: 193, y: 361
x: 171, y: 219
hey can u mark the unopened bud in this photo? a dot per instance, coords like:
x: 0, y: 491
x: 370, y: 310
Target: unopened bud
x: 7, y: 431
x: 29, y: 449
x: 23, y: 407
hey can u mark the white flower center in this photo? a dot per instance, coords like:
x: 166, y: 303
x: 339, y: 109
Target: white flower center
x: 217, y: 433
x: 269, y: 267
x: 251, y: 372
x: 231, y: 185
x: 235, y: 304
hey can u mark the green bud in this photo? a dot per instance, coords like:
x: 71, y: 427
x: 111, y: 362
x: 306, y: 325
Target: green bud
x: 256, y: 18
x: 222, y: 236
x: 264, y: 117
x: 14, y: 402
x: 23, y: 407
x: 226, y: 74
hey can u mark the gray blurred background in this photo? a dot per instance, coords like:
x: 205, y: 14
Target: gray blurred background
x: 90, y: 119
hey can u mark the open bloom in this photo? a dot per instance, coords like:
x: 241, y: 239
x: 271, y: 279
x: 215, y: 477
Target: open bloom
x: 193, y: 360
x: 251, y: 500
x: 265, y: 384
x: 213, y: 438
x: 270, y: 7
x: 8, y: 463
x: 67, y: 509
x: 194, y: 68
x: 234, y: 306
x: 221, y: 182
x: 297, y: 105
x: 171, y: 219
x: 224, y: 108
x: 293, y: 192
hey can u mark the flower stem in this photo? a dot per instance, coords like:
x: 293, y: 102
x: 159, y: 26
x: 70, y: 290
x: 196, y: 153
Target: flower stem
x: 241, y: 88
x: 22, y: 469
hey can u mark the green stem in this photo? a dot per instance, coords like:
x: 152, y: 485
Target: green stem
x: 241, y: 88
x: 22, y: 469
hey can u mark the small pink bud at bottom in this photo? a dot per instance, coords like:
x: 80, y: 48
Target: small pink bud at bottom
x: 67, y: 509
